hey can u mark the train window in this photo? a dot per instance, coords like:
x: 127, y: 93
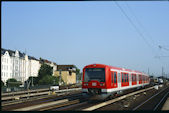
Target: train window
x: 140, y: 78
x: 127, y: 77
x: 112, y: 77
x: 133, y: 77
x: 124, y: 77
x: 115, y: 77
x: 121, y: 77
x: 143, y: 78
x: 94, y: 74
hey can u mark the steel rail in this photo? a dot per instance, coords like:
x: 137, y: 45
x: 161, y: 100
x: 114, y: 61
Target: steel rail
x: 60, y: 105
x: 67, y: 107
x: 47, y: 98
x: 36, y: 94
x: 160, y: 101
x: 114, y: 100
x: 148, y: 99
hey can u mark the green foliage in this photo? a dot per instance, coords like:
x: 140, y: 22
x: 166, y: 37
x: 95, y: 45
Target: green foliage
x: 13, y: 82
x: 49, y: 80
x: 79, y: 76
x: 34, y: 79
x: 77, y: 71
x: 2, y: 83
x: 44, y: 71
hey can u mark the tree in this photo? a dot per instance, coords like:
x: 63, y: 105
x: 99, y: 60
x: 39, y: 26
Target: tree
x: 49, y: 80
x: 44, y: 71
x: 12, y: 82
x: 2, y: 83
x: 78, y: 74
x: 77, y: 71
x: 33, y: 80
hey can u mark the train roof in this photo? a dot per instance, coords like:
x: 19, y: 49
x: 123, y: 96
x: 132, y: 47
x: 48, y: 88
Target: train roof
x: 113, y: 67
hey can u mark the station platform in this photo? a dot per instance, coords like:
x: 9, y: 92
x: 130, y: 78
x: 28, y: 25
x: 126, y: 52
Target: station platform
x: 166, y: 105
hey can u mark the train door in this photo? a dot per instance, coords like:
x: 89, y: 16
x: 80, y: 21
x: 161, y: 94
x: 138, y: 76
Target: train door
x: 124, y: 79
x: 134, y: 80
x: 140, y: 79
x: 114, y: 79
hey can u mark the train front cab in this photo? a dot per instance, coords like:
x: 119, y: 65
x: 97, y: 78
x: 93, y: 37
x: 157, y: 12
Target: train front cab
x: 96, y: 81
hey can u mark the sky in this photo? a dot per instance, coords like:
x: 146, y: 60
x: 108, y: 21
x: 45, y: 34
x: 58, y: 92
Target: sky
x: 121, y: 34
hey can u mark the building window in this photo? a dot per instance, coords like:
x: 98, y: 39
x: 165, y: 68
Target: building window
x: 16, y: 68
x: 70, y: 73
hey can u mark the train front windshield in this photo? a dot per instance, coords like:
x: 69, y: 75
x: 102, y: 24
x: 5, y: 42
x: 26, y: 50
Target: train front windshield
x: 94, y: 74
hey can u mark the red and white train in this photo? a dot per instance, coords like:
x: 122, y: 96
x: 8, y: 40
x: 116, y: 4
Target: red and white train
x: 102, y: 81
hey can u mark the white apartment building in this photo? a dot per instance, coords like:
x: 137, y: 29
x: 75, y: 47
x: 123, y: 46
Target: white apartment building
x: 18, y: 65
x: 6, y: 66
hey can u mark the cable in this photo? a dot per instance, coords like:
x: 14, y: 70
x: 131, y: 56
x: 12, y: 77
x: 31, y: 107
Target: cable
x: 162, y: 47
x: 138, y: 31
x: 139, y: 23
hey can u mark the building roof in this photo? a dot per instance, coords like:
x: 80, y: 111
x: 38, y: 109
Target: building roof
x: 65, y: 67
x: 47, y: 61
x: 12, y: 53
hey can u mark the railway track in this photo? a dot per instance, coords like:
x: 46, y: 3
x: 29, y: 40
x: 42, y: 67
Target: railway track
x: 147, y: 100
x: 30, y: 97
x: 37, y: 91
x: 90, y: 106
x: 72, y: 99
x: 154, y: 102
x: 36, y: 101
x: 77, y: 103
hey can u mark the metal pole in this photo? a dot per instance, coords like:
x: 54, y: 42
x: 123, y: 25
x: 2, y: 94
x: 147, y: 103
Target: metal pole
x: 60, y: 73
x: 32, y: 80
x: 162, y: 72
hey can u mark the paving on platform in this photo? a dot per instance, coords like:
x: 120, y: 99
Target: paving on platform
x: 34, y: 107
x: 166, y: 105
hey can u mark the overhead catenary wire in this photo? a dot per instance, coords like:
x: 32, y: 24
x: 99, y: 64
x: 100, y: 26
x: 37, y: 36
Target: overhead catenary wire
x: 141, y: 25
x: 135, y: 27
